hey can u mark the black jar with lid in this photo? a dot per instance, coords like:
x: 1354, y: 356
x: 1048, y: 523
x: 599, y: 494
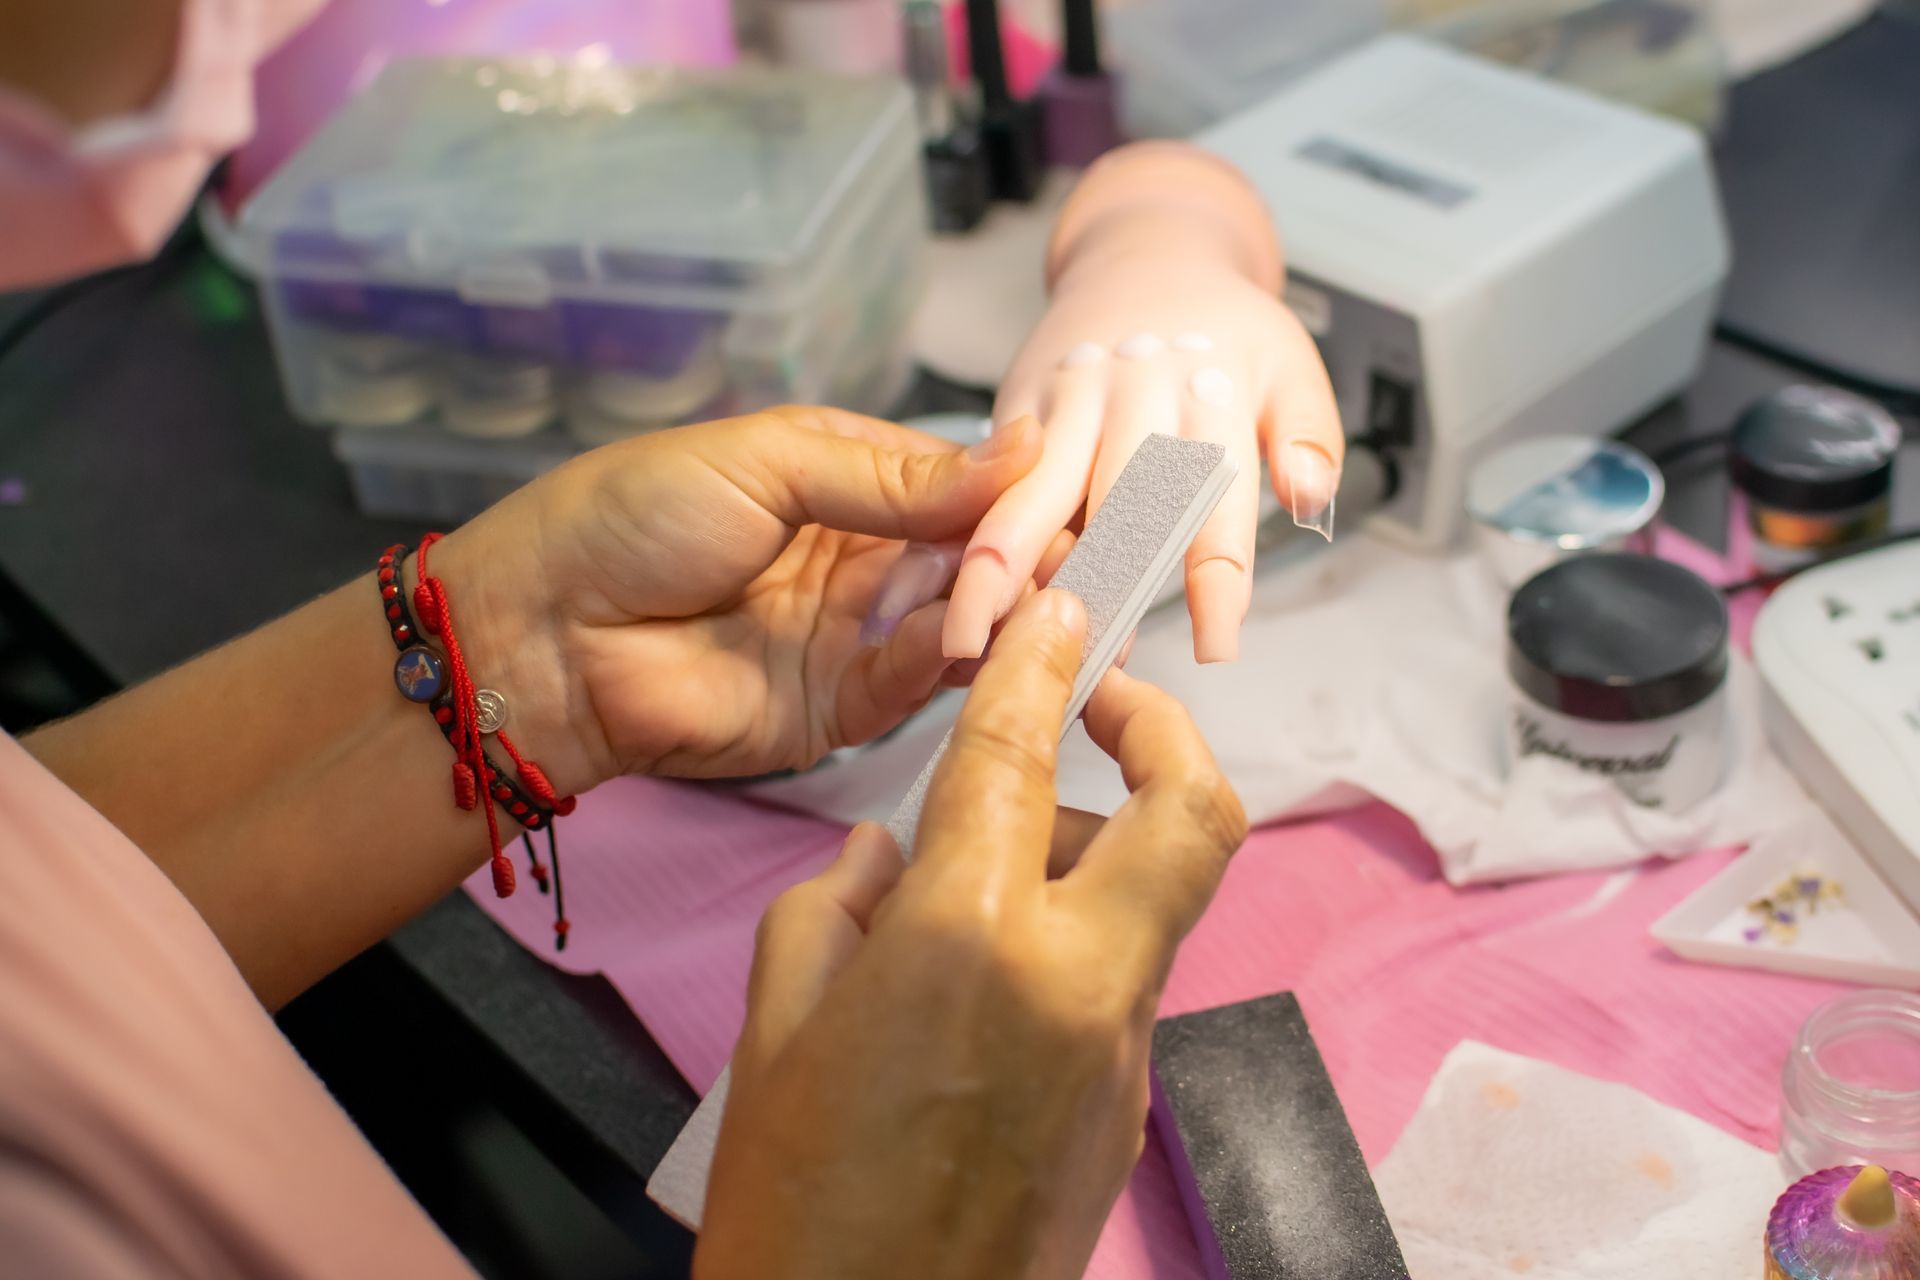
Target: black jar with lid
x: 1619, y: 667
x: 1815, y: 466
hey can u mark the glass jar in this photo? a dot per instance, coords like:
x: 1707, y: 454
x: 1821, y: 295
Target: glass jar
x: 1618, y: 666
x: 1852, y: 1085
x: 1537, y: 502
x: 1813, y: 468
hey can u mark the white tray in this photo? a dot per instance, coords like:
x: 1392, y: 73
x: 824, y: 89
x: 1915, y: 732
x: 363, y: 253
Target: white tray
x: 1869, y: 938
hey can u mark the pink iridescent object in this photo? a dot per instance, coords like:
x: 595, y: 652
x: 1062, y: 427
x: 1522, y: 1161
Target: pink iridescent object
x: 1810, y: 1235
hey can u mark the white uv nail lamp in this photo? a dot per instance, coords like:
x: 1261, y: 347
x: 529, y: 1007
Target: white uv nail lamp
x: 1482, y: 255
x: 1838, y: 651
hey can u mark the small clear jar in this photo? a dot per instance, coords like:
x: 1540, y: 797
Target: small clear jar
x: 1852, y: 1086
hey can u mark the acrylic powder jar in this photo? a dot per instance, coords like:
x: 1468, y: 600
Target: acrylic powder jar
x: 1851, y: 1086
x: 1540, y: 501
x: 1814, y: 468
x: 1618, y: 663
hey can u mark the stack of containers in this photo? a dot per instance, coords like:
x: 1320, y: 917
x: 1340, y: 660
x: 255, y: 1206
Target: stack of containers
x: 480, y: 267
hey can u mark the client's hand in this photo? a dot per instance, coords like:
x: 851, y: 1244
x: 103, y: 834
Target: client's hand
x: 947, y: 1077
x: 1165, y: 316
x: 691, y: 602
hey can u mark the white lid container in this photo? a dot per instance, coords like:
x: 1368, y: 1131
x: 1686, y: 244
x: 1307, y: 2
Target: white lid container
x: 599, y: 219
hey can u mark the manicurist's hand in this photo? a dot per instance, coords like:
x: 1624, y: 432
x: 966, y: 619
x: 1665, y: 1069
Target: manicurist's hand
x: 944, y: 1070
x: 1164, y: 316
x: 706, y: 602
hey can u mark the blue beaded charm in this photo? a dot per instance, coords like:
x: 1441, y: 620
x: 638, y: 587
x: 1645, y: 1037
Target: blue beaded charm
x: 419, y: 674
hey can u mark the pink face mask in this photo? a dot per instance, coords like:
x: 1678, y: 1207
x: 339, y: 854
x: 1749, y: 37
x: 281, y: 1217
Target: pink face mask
x: 77, y: 200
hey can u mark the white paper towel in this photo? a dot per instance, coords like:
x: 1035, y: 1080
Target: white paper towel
x: 1369, y: 670
x: 1517, y: 1167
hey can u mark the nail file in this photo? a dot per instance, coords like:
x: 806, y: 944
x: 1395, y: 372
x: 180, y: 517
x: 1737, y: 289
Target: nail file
x: 1273, y: 1181
x: 1117, y: 567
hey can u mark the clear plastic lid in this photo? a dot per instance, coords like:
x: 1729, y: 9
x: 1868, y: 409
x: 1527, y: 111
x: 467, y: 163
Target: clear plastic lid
x: 514, y: 181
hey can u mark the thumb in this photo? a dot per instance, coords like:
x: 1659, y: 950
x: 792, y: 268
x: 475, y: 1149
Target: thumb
x: 807, y: 936
x: 821, y: 466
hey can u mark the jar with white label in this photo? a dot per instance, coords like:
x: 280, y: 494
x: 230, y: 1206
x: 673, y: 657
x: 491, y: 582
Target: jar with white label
x: 1619, y: 668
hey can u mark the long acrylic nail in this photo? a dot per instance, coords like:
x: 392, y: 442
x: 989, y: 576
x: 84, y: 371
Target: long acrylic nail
x: 1312, y: 485
x: 923, y: 571
x: 982, y: 594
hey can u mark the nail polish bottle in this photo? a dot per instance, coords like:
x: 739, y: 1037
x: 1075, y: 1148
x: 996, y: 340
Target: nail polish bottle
x: 1078, y: 113
x: 959, y: 188
x: 1009, y: 126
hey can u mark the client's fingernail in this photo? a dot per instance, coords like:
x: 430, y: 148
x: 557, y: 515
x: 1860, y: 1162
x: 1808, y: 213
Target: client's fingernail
x: 982, y: 594
x: 1218, y: 592
x: 1004, y: 440
x: 921, y: 573
x: 1312, y: 482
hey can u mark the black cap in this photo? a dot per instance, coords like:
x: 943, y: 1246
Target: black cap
x: 959, y: 188
x: 1016, y: 160
x: 1617, y: 637
x: 1814, y: 449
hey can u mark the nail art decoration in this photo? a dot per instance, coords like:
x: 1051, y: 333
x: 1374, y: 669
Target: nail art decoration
x: 1777, y: 914
x: 1198, y: 343
x: 1084, y: 354
x: 1212, y: 386
x: 1140, y: 346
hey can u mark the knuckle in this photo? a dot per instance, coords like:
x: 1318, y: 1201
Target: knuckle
x: 1213, y: 808
x: 783, y: 913
x: 949, y: 930
x: 895, y: 478
x: 1003, y: 741
x: 1060, y: 656
x: 1087, y: 1022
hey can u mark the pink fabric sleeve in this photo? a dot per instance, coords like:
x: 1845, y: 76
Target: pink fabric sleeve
x: 153, y: 1121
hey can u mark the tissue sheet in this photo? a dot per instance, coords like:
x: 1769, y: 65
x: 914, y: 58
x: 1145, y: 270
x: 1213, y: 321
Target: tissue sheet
x: 1376, y: 672
x: 1517, y: 1167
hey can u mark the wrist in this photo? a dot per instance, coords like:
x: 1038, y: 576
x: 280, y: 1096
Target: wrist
x: 1169, y: 203
x: 508, y: 626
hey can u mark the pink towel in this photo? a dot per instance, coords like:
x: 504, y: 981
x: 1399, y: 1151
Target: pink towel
x: 1392, y: 966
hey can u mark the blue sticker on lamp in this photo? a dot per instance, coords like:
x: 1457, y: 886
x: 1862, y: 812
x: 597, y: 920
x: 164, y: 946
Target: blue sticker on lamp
x: 419, y: 674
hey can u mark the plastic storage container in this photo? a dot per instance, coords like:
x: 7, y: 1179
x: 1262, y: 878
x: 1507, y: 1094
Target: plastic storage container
x: 423, y: 473
x: 573, y: 252
x: 1663, y: 55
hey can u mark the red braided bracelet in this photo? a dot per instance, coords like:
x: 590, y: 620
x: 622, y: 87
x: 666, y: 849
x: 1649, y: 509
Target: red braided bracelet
x: 420, y: 676
x: 525, y: 809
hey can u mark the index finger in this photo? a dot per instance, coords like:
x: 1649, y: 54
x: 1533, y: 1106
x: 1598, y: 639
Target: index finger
x: 990, y: 805
x: 1155, y: 865
x: 1305, y: 443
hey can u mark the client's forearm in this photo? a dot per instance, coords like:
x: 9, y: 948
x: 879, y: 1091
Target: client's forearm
x: 282, y: 782
x: 1169, y: 205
